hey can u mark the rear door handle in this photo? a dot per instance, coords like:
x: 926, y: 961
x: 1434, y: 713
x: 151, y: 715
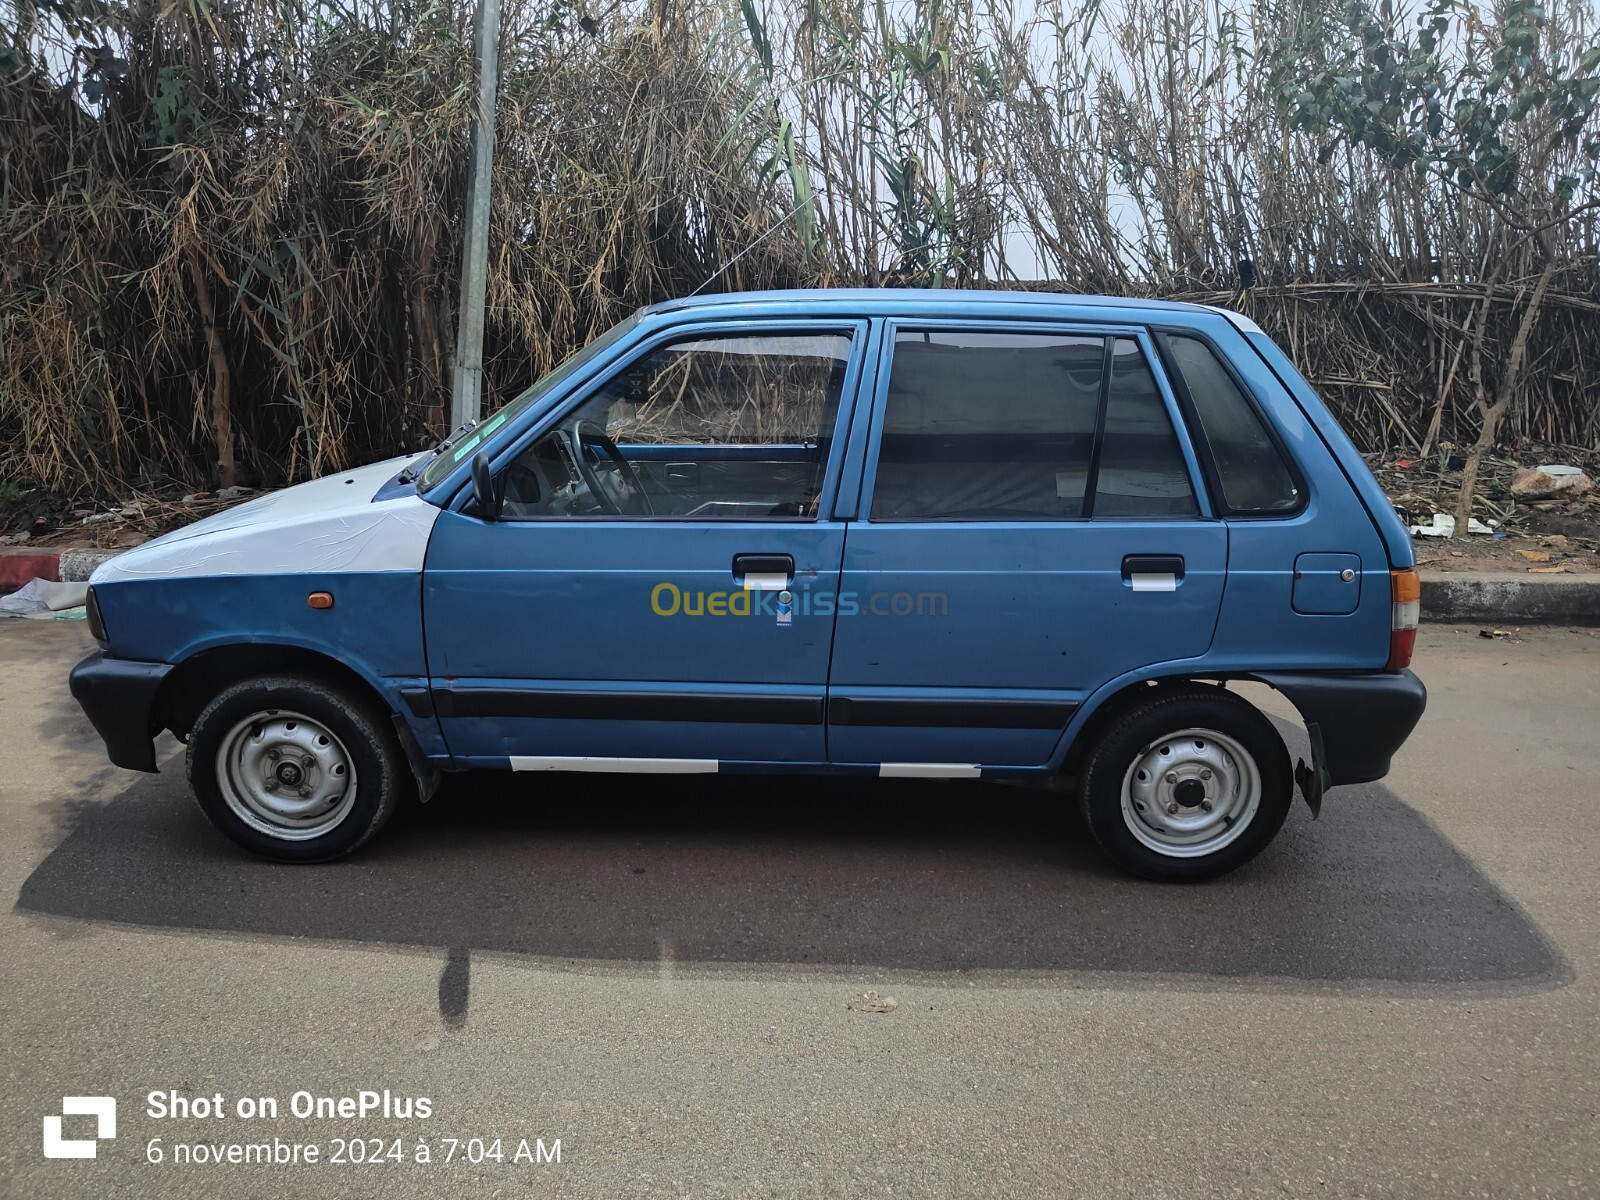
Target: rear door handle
x: 1153, y: 572
x: 763, y: 572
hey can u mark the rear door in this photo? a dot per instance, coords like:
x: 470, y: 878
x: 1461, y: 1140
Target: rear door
x: 658, y: 593
x: 1030, y: 530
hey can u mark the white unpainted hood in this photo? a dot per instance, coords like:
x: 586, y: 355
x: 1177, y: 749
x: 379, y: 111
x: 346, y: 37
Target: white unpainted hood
x: 328, y: 524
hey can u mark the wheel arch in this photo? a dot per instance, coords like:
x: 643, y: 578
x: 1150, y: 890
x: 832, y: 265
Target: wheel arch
x: 1103, y: 708
x: 196, y: 679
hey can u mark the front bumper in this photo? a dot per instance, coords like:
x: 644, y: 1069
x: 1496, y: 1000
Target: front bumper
x: 1356, y: 719
x: 119, y: 696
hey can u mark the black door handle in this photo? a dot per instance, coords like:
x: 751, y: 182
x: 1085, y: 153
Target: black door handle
x: 763, y: 564
x: 1152, y: 564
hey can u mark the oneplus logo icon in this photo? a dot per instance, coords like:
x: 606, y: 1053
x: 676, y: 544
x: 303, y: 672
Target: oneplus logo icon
x: 102, y: 1108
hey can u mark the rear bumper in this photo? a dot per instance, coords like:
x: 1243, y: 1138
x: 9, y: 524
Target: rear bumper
x: 118, y: 696
x: 1362, y: 717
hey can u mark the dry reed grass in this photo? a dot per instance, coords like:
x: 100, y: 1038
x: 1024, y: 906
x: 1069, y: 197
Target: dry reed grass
x: 233, y: 235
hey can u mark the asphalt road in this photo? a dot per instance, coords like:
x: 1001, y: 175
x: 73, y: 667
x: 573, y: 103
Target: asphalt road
x: 1398, y: 1000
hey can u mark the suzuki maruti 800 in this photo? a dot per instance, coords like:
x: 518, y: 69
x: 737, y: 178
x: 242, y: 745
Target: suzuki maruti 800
x: 934, y: 535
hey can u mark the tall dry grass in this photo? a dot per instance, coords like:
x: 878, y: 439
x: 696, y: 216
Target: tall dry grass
x: 232, y: 229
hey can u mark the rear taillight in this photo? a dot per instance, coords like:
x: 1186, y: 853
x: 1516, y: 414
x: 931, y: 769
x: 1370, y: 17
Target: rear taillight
x: 1405, y: 594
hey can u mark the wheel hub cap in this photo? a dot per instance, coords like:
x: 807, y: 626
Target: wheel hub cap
x: 286, y: 775
x: 1190, y: 793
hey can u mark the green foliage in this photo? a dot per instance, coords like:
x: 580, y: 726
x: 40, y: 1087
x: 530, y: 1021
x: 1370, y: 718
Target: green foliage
x: 171, y: 113
x: 758, y: 34
x: 1430, y: 93
x: 805, y: 200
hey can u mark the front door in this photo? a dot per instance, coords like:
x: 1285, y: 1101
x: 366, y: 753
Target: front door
x: 1032, y: 531
x: 635, y: 605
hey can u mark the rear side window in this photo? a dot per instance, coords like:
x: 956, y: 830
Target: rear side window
x: 993, y: 426
x: 1004, y: 426
x: 1251, y: 469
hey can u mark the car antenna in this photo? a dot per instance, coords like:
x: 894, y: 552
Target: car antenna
x: 776, y: 226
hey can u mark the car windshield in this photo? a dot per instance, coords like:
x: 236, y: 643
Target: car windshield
x: 451, y: 453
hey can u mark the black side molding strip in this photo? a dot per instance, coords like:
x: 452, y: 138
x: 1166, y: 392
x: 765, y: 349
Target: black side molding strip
x: 627, y: 706
x: 951, y: 714
x: 750, y: 709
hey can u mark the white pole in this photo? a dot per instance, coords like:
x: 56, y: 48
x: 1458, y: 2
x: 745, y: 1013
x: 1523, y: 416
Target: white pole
x: 466, y: 380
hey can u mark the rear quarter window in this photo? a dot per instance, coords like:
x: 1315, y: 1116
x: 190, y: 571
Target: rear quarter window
x: 1254, y: 475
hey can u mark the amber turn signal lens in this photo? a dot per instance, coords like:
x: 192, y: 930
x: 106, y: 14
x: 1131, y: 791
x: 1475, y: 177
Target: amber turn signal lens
x: 320, y: 599
x: 1406, y: 586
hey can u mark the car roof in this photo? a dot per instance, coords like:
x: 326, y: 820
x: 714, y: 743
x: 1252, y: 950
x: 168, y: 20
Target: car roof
x: 922, y: 301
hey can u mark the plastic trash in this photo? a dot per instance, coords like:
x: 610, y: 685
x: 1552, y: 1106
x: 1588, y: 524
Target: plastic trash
x: 1443, y: 525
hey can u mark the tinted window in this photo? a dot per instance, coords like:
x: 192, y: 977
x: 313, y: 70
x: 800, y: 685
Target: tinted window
x: 988, y: 425
x: 1142, y: 472
x: 1253, y: 474
x: 708, y: 427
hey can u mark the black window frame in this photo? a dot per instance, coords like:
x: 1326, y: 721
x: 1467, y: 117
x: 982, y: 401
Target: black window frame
x: 1160, y: 335
x: 1157, y: 368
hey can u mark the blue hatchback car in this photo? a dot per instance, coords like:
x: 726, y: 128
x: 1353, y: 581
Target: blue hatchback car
x: 927, y: 535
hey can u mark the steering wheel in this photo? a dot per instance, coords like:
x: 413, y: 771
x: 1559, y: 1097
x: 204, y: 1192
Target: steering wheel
x: 586, y: 433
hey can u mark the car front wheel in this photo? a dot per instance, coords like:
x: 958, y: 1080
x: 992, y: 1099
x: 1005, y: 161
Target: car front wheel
x: 1187, y: 785
x: 295, y: 769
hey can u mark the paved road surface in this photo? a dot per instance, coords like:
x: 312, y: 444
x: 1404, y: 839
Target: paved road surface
x: 1399, y: 1000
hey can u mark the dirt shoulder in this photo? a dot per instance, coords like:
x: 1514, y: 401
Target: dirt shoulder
x: 1547, y: 537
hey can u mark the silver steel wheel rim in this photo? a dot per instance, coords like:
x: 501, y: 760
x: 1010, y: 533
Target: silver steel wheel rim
x: 286, y: 775
x: 1191, y: 793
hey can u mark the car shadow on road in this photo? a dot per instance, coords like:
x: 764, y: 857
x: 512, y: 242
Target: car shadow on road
x: 907, y: 875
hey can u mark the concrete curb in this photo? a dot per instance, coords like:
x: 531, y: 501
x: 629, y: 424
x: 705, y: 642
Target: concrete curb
x: 1508, y: 598
x: 77, y: 565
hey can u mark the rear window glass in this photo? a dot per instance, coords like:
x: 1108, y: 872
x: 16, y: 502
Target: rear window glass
x: 1253, y: 474
x: 988, y: 426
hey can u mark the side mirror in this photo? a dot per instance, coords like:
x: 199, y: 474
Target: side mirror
x: 485, y: 496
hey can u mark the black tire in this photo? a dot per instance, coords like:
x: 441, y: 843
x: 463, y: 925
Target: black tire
x: 1124, y: 745
x: 364, y: 746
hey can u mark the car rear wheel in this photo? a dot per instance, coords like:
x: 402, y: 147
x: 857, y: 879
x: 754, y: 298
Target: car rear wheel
x: 1187, y: 785
x: 295, y: 769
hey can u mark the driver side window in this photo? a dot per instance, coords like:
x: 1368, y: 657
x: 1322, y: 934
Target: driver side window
x: 703, y: 428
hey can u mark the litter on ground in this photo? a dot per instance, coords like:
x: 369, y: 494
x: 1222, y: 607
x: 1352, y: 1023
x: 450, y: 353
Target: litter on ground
x: 45, y: 598
x: 1443, y: 525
